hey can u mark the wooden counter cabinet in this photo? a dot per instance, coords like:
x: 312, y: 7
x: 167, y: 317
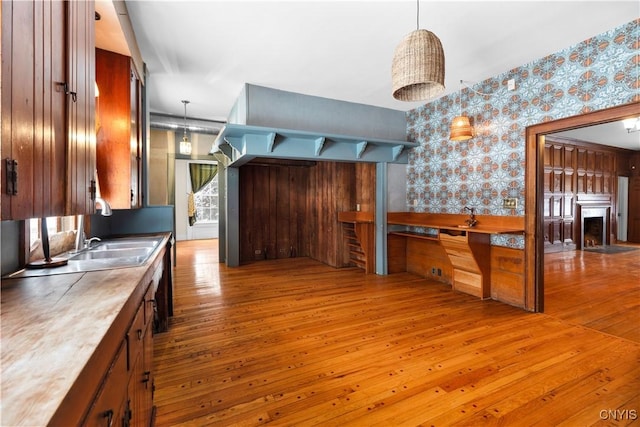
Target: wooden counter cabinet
x: 126, y: 395
x: 140, y: 346
x: 451, y: 252
x: 109, y: 407
x: 469, y: 254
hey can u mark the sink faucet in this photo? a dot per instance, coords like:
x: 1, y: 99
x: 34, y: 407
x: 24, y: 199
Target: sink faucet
x: 87, y: 242
x: 471, y: 221
x: 81, y: 239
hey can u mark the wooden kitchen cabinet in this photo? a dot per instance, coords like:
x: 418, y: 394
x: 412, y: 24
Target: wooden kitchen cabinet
x: 126, y: 394
x: 48, y: 139
x: 140, y: 339
x: 118, y: 131
x: 109, y: 408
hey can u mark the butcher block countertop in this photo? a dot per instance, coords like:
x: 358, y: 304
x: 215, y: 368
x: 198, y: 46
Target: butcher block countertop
x: 62, y: 327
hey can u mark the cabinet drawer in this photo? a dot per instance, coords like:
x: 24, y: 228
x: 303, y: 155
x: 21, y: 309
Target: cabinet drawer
x: 109, y: 404
x: 135, y: 335
x: 464, y: 261
x: 444, y: 237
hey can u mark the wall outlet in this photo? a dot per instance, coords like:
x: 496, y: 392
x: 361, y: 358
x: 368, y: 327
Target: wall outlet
x: 258, y: 252
x: 511, y: 84
x: 510, y: 203
x: 433, y: 271
x: 415, y: 202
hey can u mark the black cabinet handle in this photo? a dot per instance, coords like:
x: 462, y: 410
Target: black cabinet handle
x: 109, y: 416
x: 74, y: 95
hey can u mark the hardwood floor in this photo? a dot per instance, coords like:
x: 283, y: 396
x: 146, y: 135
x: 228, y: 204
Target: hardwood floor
x: 294, y: 342
x: 599, y: 291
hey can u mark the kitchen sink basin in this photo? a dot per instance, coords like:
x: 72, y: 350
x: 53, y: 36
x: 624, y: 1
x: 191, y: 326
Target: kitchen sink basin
x: 128, y: 244
x: 135, y: 255
x: 102, y: 255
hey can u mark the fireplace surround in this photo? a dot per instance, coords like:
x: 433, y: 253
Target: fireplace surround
x: 594, y: 225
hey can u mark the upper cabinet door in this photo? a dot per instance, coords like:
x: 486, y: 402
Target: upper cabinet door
x: 118, y: 140
x: 33, y: 109
x: 81, y: 153
x: 47, y: 108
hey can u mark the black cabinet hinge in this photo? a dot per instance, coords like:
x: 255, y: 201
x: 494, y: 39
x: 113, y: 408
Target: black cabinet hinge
x: 92, y: 189
x: 11, y: 170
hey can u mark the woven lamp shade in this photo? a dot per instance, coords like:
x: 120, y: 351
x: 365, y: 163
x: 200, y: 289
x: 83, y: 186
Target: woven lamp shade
x: 417, y: 71
x: 461, y: 129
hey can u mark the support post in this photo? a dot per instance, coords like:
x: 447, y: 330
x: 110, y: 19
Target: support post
x: 381, y: 218
x: 233, y: 217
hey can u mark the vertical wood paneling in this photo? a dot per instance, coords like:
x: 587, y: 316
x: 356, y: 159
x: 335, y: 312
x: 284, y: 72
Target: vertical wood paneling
x: 294, y: 209
x: 81, y: 153
x: 34, y: 106
x: 507, y: 275
x: 281, y: 234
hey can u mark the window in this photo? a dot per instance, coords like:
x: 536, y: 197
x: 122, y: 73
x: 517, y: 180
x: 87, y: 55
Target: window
x: 206, y: 201
x: 54, y: 225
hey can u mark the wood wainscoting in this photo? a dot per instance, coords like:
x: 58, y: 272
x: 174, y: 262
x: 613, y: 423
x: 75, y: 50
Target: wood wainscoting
x: 295, y: 342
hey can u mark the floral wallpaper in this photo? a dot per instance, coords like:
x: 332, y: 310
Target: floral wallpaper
x: 443, y: 176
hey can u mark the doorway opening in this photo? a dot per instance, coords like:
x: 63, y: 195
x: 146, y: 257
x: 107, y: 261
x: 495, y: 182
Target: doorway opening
x: 534, y: 188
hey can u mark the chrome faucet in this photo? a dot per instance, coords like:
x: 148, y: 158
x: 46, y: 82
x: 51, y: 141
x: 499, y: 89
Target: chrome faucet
x: 81, y: 239
x: 87, y: 242
x: 471, y: 221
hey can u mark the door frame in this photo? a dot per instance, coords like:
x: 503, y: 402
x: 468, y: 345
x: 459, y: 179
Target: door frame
x: 534, y: 193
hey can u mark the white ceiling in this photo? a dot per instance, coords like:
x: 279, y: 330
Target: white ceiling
x: 204, y: 51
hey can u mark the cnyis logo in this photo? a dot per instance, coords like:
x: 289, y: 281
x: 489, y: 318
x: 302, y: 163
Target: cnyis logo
x: 619, y: 414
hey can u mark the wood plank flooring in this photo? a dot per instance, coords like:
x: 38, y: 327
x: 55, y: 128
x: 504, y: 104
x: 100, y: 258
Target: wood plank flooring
x: 600, y: 291
x: 295, y: 342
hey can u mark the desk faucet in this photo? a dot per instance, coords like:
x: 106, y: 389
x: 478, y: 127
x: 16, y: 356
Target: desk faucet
x: 81, y: 239
x: 471, y: 221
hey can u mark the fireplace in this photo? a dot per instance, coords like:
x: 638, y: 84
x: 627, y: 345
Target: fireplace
x: 595, y: 223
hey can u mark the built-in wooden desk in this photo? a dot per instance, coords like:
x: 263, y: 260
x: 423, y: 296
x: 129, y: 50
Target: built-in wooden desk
x: 468, y: 249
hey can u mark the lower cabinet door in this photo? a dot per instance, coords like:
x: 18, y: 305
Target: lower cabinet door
x: 108, y: 409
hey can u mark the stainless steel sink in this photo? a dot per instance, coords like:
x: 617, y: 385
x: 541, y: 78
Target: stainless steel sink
x: 127, y: 244
x: 135, y: 255
x: 104, y: 255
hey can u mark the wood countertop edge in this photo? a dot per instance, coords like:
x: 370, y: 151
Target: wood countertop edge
x: 75, y: 395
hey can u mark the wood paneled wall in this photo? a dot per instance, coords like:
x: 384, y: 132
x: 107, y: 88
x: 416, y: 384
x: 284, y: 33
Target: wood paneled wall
x: 507, y: 275
x: 290, y: 210
x: 576, y: 173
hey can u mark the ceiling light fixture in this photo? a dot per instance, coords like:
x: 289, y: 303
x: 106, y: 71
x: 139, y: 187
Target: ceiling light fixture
x: 461, y: 129
x: 185, y: 145
x: 632, y: 125
x: 417, y: 70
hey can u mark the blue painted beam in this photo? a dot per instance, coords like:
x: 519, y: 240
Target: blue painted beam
x: 241, y: 143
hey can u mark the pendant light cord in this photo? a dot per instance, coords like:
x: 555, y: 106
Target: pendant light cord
x: 460, y: 100
x: 462, y: 82
x: 417, y: 14
x: 185, y: 102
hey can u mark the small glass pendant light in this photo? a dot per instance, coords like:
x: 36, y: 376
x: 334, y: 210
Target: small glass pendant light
x: 185, y: 145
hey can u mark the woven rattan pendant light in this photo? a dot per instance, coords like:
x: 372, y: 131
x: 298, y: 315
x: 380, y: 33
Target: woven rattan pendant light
x: 417, y: 71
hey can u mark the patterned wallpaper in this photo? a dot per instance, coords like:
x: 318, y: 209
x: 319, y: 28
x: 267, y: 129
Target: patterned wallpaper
x: 443, y: 176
